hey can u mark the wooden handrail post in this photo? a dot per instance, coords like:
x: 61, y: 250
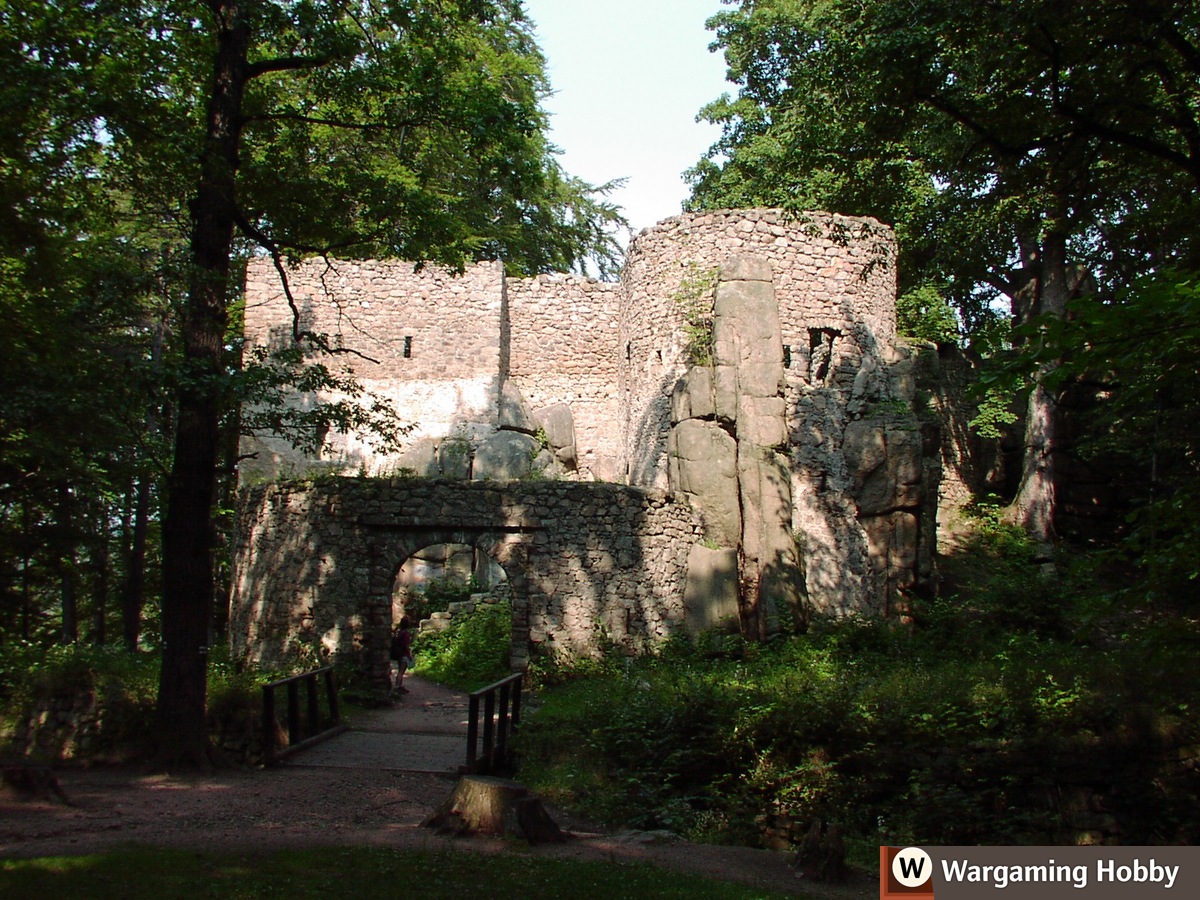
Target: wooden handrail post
x: 472, y: 730
x: 498, y: 725
x: 302, y: 730
x: 335, y: 710
x: 501, y: 753
x: 489, y: 729
x: 269, y: 724
x: 293, y: 711
x: 314, y: 708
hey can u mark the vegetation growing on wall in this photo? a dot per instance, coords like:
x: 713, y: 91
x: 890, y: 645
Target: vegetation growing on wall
x: 694, y: 299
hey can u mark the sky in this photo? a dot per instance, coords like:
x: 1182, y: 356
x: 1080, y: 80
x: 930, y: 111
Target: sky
x: 629, y: 77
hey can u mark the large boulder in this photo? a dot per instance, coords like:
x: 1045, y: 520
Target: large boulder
x: 702, y: 459
x: 420, y: 458
x: 454, y: 458
x: 770, y: 565
x: 505, y: 456
x: 558, y: 424
x: 710, y: 595
x: 514, y: 414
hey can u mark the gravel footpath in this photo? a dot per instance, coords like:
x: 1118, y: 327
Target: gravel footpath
x: 334, y: 804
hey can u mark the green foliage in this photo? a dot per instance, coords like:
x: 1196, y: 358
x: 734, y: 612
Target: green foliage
x: 268, y: 378
x: 960, y: 729
x: 1134, y: 356
x: 358, y: 872
x: 924, y: 314
x: 978, y: 151
x: 29, y: 672
x: 993, y: 413
x: 472, y: 653
x: 694, y: 298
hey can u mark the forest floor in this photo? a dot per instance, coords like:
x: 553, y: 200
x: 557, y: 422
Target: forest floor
x: 370, y: 787
x: 245, y: 812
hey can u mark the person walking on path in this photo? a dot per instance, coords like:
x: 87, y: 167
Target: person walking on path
x: 401, y: 654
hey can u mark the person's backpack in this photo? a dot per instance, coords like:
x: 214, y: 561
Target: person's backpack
x: 397, y: 646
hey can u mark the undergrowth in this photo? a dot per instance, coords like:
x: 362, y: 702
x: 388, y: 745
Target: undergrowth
x: 982, y: 723
x: 472, y: 652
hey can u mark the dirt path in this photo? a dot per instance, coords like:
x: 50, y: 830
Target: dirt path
x: 349, y: 799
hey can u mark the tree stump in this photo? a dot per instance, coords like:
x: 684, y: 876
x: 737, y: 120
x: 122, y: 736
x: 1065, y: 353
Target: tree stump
x: 31, y: 781
x: 822, y: 854
x: 481, y: 804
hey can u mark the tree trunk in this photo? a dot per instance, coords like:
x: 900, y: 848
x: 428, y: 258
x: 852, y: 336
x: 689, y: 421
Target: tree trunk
x: 69, y: 596
x: 100, y: 572
x: 133, y: 592
x: 187, y: 525
x: 1033, y: 507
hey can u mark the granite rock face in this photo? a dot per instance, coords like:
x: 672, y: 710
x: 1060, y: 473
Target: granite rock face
x: 725, y: 465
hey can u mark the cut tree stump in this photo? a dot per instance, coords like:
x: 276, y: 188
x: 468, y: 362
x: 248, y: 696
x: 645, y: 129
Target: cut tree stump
x: 31, y: 781
x: 481, y: 804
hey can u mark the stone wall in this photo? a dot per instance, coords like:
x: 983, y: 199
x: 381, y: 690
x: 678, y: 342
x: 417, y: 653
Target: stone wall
x: 566, y: 377
x: 427, y: 340
x: 563, y: 334
x: 316, y: 562
x: 833, y: 275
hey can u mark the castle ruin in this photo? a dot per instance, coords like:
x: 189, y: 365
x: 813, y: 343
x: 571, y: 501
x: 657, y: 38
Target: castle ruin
x: 727, y: 434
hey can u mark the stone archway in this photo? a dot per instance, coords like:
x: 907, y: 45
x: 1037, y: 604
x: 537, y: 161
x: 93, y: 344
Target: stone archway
x: 589, y: 565
x: 391, y: 547
x: 444, y: 570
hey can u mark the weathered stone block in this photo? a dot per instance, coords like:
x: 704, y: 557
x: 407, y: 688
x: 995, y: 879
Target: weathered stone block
x: 704, y: 466
x: 514, y: 414
x: 505, y: 456
x: 711, y: 593
x: 420, y: 458
x: 746, y: 268
x: 558, y: 424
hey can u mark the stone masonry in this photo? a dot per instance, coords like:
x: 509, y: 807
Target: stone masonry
x: 818, y: 491
x: 587, y: 564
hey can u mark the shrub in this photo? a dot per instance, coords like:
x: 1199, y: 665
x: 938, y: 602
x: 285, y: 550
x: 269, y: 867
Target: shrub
x: 975, y: 726
x: 472, y: 652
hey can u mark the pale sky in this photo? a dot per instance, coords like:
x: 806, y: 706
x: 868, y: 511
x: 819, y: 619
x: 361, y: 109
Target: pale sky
x: 629, y: 78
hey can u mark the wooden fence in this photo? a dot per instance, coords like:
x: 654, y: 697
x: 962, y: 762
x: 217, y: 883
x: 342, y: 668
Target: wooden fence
x: 300, y: 729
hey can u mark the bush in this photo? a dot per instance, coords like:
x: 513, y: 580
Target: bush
x: 472, y: 652
x: 984, y: 724
x: 436, y: 595
x: 103, y: 698
x: 107, y: 698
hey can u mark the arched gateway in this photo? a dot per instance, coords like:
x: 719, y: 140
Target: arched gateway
x: 587, y: 563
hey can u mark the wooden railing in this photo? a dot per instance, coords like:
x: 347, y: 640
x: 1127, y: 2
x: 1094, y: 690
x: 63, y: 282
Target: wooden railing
x: 500, y: 715
x: 301, y: 730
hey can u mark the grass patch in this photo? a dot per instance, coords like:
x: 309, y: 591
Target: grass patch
x: 353, y: 872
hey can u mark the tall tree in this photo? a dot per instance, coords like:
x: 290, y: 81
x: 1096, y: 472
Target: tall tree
x: 170, y: 129
x: 1026, y: 150
x: 408, y: 128
x: 70, y: 300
